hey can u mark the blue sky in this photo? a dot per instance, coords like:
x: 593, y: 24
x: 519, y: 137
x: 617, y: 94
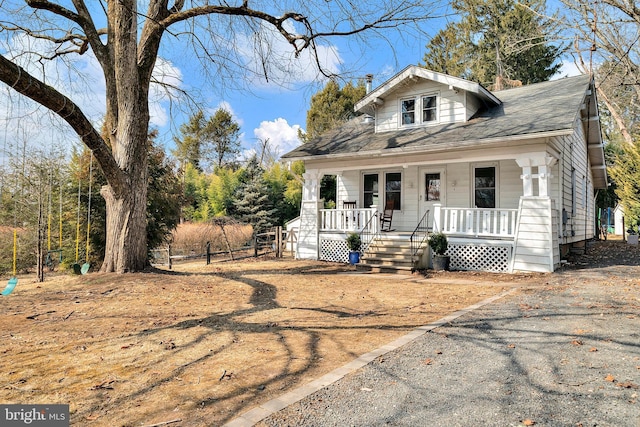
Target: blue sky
x: 273, y: 110
x: 277, y: 109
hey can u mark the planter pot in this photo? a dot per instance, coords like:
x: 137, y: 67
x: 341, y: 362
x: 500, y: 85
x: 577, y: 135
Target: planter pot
x: 441, y: 262
x: 354, y: 257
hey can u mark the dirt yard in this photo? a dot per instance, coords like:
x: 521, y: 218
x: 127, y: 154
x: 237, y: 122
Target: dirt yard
x: 202, y: 344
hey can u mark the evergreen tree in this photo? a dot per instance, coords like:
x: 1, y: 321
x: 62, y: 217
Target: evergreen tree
x: 222, y: 139
x: 332, y: 106
x: 281, y: 189
x: 329, y: 108
x: 188, y: 148
x: 252, y: 204
x: 497, y: 42
x: 164, y: 197
x: 448, y: 53
x: 626, y: 174
x: 208, y: 143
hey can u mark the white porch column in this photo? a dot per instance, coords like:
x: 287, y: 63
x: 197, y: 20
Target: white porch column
x: 437, y: 217
x: 536, y: 245
x: 307, y: 247
x: 543, y: 162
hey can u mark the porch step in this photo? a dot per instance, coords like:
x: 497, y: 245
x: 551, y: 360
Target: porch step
x: 388, y: 269
x: 387, y: 261
x: 389, y: 254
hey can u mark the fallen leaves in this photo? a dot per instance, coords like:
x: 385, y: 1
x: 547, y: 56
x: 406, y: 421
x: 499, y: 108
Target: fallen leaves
x: 627, y: 384
x: 528, y: 422
x: 577, y: 343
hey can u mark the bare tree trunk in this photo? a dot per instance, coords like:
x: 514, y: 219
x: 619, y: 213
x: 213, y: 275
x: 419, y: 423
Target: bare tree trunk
x: 126, y: 242
x: 616, y: 116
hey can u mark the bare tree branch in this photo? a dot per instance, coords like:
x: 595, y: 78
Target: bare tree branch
x: 24, y: 83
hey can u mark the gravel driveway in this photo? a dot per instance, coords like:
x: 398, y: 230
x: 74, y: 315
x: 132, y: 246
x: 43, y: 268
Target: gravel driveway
x: 564, y: 352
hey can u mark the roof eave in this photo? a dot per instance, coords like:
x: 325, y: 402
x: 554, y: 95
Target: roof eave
x: 399, y: 151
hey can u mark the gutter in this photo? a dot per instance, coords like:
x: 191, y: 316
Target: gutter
x: 399, y: 151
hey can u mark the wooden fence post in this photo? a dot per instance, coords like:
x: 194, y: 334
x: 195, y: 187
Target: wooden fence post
x: 169, y: 256
x: 255, y: 245
x: 278, y: 242
x: 208, y: 253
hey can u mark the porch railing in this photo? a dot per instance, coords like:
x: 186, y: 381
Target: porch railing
x: 419, y: 237
x: 369, y: 232
x: 475, y: 222
x: 347, y: 219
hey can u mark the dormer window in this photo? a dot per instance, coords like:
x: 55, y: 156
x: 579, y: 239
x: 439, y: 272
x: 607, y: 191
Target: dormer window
x: 429, y: 108
x: 408, y: 111
x: 411, y: 109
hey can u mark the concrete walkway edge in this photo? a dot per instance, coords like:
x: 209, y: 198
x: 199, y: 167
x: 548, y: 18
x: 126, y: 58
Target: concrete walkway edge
x: 262, y: 411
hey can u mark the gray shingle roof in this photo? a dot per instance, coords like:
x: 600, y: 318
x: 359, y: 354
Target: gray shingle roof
x: 540, y: 108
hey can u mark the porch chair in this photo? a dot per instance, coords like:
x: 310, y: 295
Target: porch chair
x: 350, y: 205
x: 386, y: 217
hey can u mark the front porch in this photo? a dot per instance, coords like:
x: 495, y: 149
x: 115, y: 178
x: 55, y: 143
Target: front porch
x: 498, y: 216
x: 479, y: 239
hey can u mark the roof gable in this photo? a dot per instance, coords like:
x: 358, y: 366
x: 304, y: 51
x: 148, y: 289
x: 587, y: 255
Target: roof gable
x: 412, y: 72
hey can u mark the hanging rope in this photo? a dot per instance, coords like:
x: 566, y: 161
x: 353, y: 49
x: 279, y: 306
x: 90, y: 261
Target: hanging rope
x: 86, y: 255
x: 15, y: 252
x: 78, y: 223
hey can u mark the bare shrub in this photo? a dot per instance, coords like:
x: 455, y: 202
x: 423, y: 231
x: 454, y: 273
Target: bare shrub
x: 193, y: 237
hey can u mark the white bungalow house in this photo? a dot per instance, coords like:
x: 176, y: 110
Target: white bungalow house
x: 509, y: 176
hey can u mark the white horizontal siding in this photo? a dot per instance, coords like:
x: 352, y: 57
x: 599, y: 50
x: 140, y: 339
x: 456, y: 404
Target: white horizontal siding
x: 451, y: 105
x: 534, y: 249
x: 578, y: 204
x: 348, y: 188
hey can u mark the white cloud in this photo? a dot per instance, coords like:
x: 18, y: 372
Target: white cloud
x: 79, y: 77
x: 282, y: 136
x: 169, y: 78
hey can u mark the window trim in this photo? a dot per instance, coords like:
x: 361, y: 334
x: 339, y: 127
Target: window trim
x: 418, y: 110
x: 364, y: 173
x: 436, y: 108
x: 496, y: 167
x: 402, y: 112
x: 401, y: 190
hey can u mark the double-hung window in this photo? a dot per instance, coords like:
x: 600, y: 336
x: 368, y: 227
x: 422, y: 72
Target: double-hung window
x: 371, y: 190
x: 429, y: 109
x: 393, y: 189
x: 421, y: 109
x: 485, y: 187
x: 408, y: 111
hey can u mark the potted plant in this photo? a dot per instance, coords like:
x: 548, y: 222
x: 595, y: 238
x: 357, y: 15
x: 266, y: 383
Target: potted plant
x: 439, y: 244
x: 353, y: 243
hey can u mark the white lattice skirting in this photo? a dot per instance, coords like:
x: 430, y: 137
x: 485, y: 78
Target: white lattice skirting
x: 475, y: 257
x: 334, y: 250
